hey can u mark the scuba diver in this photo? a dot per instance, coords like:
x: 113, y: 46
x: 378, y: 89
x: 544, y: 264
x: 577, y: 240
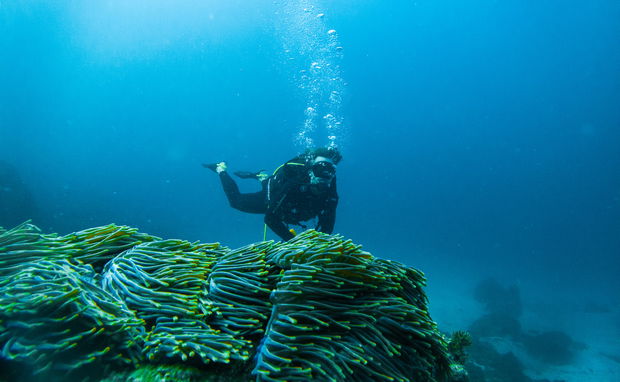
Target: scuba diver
x: 301, y: 189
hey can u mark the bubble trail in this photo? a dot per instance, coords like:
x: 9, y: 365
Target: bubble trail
x: 314, y: 50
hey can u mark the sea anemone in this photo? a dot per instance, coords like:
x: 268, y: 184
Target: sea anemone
x: 317, y: 307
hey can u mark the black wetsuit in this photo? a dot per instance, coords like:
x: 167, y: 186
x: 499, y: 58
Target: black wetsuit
x: 287, y: 197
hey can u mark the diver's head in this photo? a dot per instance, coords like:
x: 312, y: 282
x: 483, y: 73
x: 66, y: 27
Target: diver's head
x: 330, y: 153
x: 322, y: 170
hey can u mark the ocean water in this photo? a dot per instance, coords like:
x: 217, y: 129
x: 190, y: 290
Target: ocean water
x: 481, y: 139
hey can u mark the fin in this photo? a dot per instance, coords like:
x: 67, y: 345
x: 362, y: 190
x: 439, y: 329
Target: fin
x: 210, y: 166
x: 216, y: 167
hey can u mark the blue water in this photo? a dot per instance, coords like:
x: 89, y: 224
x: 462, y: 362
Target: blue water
x: 480, y: 138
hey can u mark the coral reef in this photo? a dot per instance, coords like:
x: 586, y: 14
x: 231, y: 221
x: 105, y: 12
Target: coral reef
x: 499, y: 299
x: 500, y: 346
x: 496, y: 325
x: 457, y: 344
x: 489, y: 365
x: 551, y: 347
x: 117, y: 302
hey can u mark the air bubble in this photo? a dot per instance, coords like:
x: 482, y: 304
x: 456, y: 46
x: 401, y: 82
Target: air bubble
x: 317, y: 53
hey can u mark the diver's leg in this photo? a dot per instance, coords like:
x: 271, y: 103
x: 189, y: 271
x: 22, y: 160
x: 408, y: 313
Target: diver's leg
x: 252, y: 202
x: 260, y: 175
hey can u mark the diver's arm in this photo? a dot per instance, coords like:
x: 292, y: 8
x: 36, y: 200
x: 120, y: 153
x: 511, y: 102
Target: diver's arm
x: 278, y: 226
x: 327, y: 217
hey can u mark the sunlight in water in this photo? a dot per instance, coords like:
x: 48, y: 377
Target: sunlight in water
x: 313, y: 48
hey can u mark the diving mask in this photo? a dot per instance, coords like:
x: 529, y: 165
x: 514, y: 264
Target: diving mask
x: 323, y: 170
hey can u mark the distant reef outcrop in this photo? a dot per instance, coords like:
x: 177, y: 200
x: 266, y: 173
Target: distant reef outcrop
x: 120, y: 304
